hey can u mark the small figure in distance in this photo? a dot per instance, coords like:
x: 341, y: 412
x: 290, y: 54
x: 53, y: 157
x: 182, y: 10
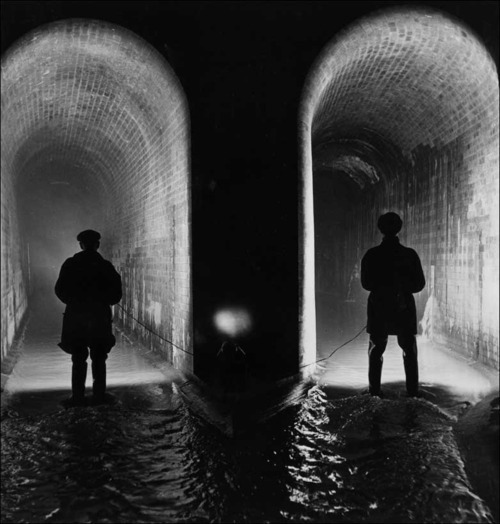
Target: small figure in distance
x: 392, y: 273
x: 88, y: 285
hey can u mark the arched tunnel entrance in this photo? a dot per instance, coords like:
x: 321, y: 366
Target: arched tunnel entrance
x: 400, y: 113
x: 95, y: 135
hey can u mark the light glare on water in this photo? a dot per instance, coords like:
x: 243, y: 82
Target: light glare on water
x: 348, y: 369
x: 337, y: 457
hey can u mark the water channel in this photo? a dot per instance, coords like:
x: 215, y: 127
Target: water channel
x: 339, y: 456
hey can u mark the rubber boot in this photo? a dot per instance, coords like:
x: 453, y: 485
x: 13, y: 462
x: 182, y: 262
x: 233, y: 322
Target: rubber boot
x: 99, y: 381
x: 78, y: 378
x: 408, y: 344
x: 375, y: 361
x: 411, y: 370
x: 375, y: 374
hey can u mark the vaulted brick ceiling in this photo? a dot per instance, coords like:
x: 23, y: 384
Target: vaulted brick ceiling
x: 86, y: 94
x: 405, y: 79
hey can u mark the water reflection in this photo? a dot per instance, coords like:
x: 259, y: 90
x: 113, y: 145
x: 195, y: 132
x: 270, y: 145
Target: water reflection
x: 338, y: 457
x: 447, y: 379
x: 356, y: 459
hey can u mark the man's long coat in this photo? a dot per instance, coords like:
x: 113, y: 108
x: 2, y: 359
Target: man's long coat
x: 392, y: 273
x: 88, y: 285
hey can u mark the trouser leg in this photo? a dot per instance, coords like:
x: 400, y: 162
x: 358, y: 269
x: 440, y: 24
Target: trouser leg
x: 376, y: 349
x: 98, y: 373
x: 79, y: 373
x: 408, y: 344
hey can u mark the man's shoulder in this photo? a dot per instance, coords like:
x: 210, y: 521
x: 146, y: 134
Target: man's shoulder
x: 381, y: 249
x: 84, y: 259
x: 107, y: 264
x: 71, y: 260
x: 373, y: 251
x: 409, y: 250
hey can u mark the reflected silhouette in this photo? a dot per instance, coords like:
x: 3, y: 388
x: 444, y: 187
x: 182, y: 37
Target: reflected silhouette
x: 88, y: 285
x: 392, y: 273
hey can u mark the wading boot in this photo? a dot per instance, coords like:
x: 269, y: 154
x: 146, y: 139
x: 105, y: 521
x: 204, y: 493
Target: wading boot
x: 375, y: 375
x: 99, y: 383
x: 411, y: 370
x: 78, y: 378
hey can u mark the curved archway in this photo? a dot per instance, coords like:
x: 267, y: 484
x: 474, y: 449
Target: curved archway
x: 400, y: 112
x: 95, y: 134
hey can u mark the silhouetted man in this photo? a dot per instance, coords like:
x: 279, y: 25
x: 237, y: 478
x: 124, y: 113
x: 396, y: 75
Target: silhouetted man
x: 88, y: 285
x: 392, y: 273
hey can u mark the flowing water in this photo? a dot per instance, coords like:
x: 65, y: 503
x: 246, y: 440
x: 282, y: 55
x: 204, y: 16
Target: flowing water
x: 337, y: 457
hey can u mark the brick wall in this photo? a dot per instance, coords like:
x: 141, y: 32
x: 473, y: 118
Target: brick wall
x: 13, y: 267
x: 404, y: 106
x: 105, y: 106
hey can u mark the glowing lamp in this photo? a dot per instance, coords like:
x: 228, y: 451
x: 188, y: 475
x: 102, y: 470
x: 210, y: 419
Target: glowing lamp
x: 233, y: 322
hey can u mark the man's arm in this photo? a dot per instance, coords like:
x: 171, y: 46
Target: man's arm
x: 417, y: 278
x: 368, y: 280
x: 114, y: 286
x: 63, y: 284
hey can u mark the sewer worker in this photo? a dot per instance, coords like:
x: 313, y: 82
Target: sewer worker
x: 392, y: 273
x: 88, y: 285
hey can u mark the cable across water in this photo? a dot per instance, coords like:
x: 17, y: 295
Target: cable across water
x: 153, y: 332
x: 335, y: 350
x: 189, y: 353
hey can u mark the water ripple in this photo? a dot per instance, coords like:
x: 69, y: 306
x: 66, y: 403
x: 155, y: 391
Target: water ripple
x: 355, y: 459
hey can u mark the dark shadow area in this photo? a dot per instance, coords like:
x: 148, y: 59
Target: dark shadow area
x: 340, y: 299
x: 478, y: 435
x: 148, y: 459
x: 128, y: 397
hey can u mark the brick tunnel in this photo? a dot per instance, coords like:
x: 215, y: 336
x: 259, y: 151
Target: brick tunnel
x: 95, y: 134
x: 400, y: 113
x: 235, y: 157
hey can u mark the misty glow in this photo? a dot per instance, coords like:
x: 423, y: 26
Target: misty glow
x: 233, y: 322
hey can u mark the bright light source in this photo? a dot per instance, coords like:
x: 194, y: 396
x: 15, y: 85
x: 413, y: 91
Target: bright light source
x: 233, y: 322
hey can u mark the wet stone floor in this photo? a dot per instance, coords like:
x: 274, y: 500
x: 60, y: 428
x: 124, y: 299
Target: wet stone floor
x: 339, y: 456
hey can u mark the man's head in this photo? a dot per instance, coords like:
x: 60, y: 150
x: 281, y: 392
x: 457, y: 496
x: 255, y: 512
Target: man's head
x: 89, y: 240
x: 390, y: 224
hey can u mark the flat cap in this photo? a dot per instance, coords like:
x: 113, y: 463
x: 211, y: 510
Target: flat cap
x: 88, y: 236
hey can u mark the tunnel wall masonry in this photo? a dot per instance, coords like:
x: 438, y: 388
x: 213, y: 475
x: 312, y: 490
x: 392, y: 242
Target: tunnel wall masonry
x: 422, y: 92
x: 447, y: 200
x: 13, y: 269
x: 110, y: 111
x: 151, y: 249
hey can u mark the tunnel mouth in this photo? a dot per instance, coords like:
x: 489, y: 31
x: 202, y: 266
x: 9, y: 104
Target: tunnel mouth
x: 400, y: 113
x: 95, y: 135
